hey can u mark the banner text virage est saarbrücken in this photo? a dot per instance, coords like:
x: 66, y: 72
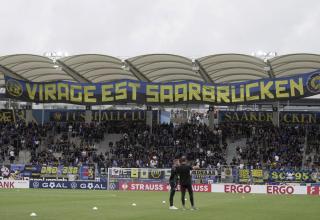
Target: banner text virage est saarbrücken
x: 182, y: 92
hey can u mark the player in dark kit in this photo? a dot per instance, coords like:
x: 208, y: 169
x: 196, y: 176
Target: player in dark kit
x: 185, y: 181
x: 173, y: 182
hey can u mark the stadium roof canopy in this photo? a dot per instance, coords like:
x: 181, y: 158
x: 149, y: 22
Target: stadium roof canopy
x: 217, y: 68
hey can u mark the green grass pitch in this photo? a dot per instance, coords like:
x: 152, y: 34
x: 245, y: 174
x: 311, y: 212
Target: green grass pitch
x: 113, y: 205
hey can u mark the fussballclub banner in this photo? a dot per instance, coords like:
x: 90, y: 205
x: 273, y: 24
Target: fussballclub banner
x: 149, y: 93
x: 104, y: 115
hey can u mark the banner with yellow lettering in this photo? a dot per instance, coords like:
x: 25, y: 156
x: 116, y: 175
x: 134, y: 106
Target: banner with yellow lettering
x: 292, y: 117
x: 10, y: 115
x: 292, y: 175
x: 149, y: 93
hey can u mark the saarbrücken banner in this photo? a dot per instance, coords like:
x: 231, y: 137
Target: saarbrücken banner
x: 149, y: 93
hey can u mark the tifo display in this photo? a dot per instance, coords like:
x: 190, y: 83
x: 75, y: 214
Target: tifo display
x: 183, y: 92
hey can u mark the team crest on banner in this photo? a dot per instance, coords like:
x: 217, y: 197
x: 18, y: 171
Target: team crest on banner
x: 14, y: 88
x: 57, y: 116
x: 313, y: 84
x: 156, y: 174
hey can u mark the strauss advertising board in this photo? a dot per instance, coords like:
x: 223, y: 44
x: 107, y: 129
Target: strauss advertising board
x: 159, y: 186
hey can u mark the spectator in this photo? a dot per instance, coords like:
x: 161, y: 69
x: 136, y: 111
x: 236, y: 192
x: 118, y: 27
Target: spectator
x: 11, y: 156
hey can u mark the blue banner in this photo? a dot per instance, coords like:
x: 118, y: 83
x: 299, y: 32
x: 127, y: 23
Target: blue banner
x: 19, y: 171
x: 89, y: 185
x: 168, y: 93
x: 52, y: 115
x: 267, y: 116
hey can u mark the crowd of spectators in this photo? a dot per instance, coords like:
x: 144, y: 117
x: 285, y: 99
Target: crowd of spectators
x: 18, y: 136
x: 268, y: 145
x: 54, y: 137
x: 74, y: 143
x: 139, y: 147
x: 142, y: 148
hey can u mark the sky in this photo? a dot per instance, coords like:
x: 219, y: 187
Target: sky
x: 191, y: 28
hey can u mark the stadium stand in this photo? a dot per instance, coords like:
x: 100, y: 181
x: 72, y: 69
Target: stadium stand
x: 263, y: 145
x: 50, y: 137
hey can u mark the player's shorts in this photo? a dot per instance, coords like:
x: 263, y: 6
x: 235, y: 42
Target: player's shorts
x: 185, y: 187
x: 173, y: 185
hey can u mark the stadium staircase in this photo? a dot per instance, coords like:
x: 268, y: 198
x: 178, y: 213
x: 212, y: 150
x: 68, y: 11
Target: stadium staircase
x: 311, y: 154
x: 24, y: 157
x: 103, y: 146
x: 232, y: 146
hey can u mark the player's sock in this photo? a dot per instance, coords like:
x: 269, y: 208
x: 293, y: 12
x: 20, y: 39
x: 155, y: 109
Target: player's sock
x: 191, y: 199
x: 172, y: 192
x: 183, y: 195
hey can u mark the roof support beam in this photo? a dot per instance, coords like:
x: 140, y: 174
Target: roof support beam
x: 10, y: 73
x: 136, y: 72
x: 203, y: 72
x: 270, y: 71
x: 74, y: 74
